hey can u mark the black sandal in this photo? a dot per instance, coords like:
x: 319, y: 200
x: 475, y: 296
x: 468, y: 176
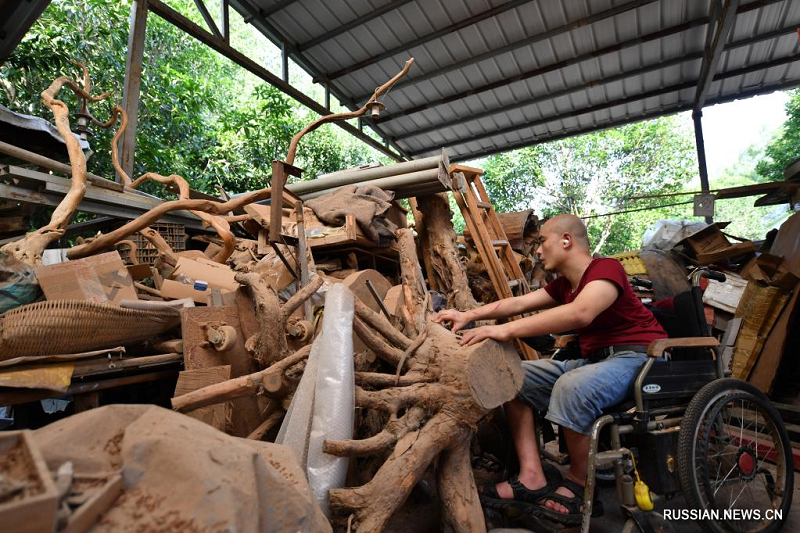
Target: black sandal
x: 522, y: 494
x: 574, y: 514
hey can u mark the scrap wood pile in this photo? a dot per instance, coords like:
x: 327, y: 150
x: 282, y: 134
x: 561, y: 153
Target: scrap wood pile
x: 261, y: 328
x: 753, y: 309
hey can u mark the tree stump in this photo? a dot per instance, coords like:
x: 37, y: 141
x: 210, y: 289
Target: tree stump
x: 446, y: 271
x: 446, y: 392
x: 434, y: 402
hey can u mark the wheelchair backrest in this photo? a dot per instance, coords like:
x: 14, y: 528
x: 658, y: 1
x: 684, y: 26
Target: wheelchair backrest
x: 686, y: 319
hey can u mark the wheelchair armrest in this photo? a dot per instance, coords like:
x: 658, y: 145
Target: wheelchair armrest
x: 657, y: 347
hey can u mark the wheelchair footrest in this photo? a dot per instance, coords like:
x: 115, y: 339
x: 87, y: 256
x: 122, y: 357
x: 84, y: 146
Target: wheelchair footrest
x: 611, y: 455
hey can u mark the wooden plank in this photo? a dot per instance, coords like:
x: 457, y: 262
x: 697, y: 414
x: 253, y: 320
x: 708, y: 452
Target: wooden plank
x: 731, y: 251
x: 93, y: 367
x: 87, y: 514
x: 216, y: 415
x: 9, y: 396
x: 128, y: 205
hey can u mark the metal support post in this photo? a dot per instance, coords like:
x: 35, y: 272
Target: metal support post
x: 697, y: 117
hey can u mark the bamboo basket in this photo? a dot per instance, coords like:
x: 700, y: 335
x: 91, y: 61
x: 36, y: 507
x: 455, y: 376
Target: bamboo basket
x: 72, y: 326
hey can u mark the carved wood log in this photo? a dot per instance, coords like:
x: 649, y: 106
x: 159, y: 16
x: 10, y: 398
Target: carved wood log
x: 445, y: 263
x: 414, y: 289
x: 458, y: 493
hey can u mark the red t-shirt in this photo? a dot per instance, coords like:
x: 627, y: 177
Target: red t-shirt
x: 625, y: 322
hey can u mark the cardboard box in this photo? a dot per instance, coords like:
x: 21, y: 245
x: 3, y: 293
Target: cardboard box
x: 758, y: 308
x: 175, y: 289
x: 707, y: 239
x: 770, y: 270
x: 99, y: 278
x: 217, y: 275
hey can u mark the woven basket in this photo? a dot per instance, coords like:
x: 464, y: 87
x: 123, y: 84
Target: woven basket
x: 74, y: 326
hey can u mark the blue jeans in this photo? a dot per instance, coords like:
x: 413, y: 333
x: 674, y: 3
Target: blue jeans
x: 575, y: 392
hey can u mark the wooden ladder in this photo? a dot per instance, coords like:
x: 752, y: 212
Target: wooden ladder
x: 490, y: 239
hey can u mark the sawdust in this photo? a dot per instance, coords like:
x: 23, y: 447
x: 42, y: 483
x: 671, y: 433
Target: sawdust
x: 17, y: 468
x: 114, y: 449
x: 141, y: 512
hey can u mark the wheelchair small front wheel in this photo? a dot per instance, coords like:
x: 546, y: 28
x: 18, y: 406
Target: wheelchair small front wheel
x: 734, y: 459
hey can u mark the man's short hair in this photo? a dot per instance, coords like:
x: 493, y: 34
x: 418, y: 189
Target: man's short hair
x: 571, y: 224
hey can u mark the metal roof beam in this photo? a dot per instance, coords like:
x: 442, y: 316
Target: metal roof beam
x: 360, y: 21
x: 558, y: 66
x: 208, y: 18
x: 273, y: 34
x: 277, y: 7
x: 218, y: 44
x: 669, y: 110
x: 602, y: 81
x: 615, y: 103
x: 511, y: 4
x: 585, y: 21
x: 724, y: 25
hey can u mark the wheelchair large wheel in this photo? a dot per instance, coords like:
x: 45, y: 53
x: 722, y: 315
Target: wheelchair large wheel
x: 734, y: 459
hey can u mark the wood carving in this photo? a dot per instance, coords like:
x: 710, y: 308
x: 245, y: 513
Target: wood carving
x: 371, y: 105
x: 269, y: 344
x: 433, y: 403
x: 29, y: 248
x: 446, y: 267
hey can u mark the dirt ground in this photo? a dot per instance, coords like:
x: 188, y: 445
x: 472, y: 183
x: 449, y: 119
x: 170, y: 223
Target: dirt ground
x: 613, y: 521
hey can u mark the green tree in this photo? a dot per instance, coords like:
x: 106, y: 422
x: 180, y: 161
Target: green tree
x: 200, y: 116
x: 596, y: 174
x: 785, y: 149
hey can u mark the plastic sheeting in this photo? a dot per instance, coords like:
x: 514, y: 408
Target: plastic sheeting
x: 323, y: 405
x: 665, y: 234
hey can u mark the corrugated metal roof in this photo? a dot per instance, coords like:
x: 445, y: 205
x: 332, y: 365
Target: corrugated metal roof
x: 16, y: 18
x: 491, y: 75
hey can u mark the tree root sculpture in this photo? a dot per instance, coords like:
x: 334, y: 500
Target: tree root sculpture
x: 449, y: 273
x: 440, y: 400
x: 371, y: 105
x: 440, y: 392
x: 270, y: 382
x: 220, y: 224
x: 29, y: 248
x: 269, y: 345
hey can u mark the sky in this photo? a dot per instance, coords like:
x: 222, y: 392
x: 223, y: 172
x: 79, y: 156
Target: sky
x: 728, y: 129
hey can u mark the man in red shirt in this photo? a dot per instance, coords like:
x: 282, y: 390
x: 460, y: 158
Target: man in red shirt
x: 594, y: 298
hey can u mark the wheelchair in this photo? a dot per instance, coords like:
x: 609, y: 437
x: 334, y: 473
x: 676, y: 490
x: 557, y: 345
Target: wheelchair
x: 689, y: 428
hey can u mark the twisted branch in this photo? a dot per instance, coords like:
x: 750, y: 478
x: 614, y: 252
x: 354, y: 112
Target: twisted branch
x: 290, y: 154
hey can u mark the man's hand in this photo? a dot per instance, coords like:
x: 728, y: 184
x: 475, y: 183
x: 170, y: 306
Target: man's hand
x: 499, y: 333
x: 457, y: 318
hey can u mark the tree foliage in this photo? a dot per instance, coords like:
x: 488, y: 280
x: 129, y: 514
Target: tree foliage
x: 200, y: 116
x: 596, y: 174
x: 785, y: 149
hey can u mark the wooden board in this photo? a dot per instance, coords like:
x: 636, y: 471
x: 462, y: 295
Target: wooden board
x: 216, y: 415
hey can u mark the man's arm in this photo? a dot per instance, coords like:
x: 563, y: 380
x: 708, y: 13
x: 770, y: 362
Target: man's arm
x: 505, y: 308
x: 595, y: 298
